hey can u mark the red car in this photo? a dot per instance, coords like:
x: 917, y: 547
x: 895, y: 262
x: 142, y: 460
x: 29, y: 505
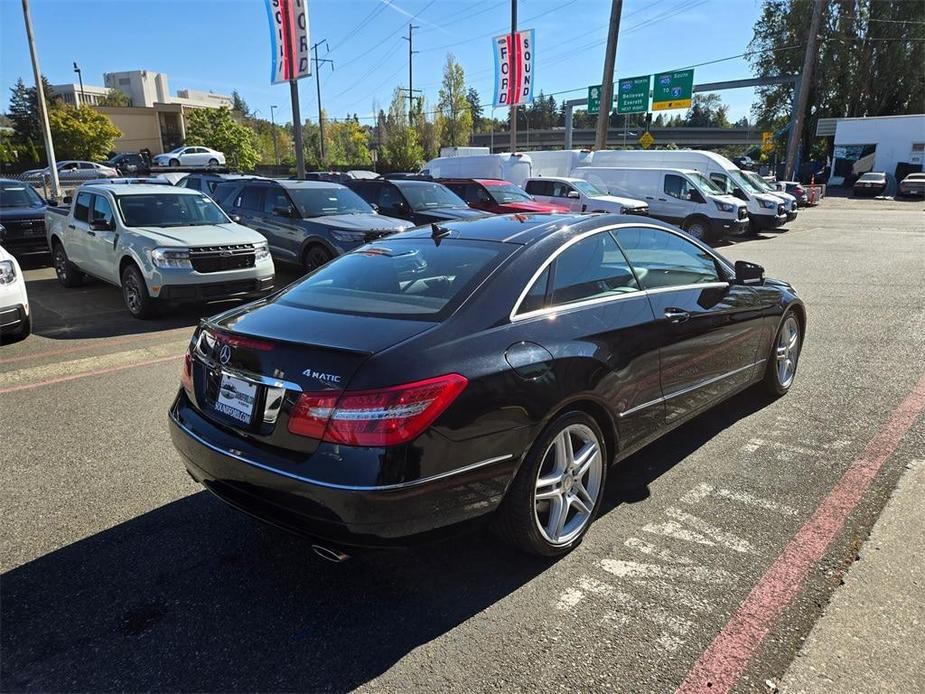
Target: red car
x: 497, y: 196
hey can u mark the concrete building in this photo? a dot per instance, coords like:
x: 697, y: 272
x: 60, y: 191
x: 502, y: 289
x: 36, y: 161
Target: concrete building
x: 885, y: 142
x: 73, y: 95
x: 192, y: 97
x: 144, y: 88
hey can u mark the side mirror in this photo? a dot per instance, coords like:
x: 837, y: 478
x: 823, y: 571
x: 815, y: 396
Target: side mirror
x: 283, y: 211
x: 236, y: 218
x: 374, y: 206
x: 574, y: 195
x: 68, y: 199
x: 748, y: 273
x: 101, y: 225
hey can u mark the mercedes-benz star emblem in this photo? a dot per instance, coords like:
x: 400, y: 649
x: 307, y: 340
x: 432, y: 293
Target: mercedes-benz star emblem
x: 224, y: 355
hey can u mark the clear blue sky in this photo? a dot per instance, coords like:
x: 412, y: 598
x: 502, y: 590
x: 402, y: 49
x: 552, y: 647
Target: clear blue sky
x: 221, y: 45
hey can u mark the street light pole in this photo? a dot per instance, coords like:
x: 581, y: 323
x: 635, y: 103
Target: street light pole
x: 83, y: 97
x: 40, y: 98
x: 273, y: 125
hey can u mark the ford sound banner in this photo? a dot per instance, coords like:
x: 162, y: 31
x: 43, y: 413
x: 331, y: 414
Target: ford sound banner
x: 514, y: 69
x: 289, y: 40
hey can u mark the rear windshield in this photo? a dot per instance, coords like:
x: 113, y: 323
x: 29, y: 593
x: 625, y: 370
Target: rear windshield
x: 398, y: 278
x: 169, y: 210
x: 321, y: 202
x: 873, y: 177
x: 19, y: 195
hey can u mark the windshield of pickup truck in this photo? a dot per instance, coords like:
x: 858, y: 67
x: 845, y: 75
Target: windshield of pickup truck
x: 169, y: 210
x: 322, y: 202
x: 589, y: 189
x: 508, y: 192
x: 19, y: 195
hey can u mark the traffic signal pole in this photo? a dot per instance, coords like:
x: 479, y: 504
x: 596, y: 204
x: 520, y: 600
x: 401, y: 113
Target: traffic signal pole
x: 610, y: 59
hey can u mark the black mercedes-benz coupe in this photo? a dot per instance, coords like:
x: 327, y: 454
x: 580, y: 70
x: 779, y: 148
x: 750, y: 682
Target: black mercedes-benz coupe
x: 489, y: 368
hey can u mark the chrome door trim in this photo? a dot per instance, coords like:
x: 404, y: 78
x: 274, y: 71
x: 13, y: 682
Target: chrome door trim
x: 689, y: 389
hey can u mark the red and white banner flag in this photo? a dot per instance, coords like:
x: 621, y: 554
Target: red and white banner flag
x: 289, y: 40
x: 514, y: 69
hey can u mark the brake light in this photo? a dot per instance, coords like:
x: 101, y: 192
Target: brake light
x: 380, y: 417
x: 241, y: 341
x: 186, y: 378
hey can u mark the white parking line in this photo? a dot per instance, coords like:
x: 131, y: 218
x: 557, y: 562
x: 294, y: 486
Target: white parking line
x: 702, y: 491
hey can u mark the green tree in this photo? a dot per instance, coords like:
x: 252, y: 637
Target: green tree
x: 81, y: 132
x: 427, y: 129
x: 707, y: 111
x: 115, y: 97
x: 403, y: 151
x: 453, y: 114
x: 239, y: 105
x: 869, y: 61
x: 475, y: 108
x: 24, y: 112
x: 217, y: 128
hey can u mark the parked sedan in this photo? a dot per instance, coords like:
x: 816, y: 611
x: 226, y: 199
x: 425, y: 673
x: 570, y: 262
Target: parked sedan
x: 190, y: 156
x: 498, y: 197
x: 22, y: 217
x: 913, y: 184
x: 70, y: 171
x: 306, y: 223
x: 420, y: 202
x: 870, y: 184
x: 796, y: 189
x: 490, y: 369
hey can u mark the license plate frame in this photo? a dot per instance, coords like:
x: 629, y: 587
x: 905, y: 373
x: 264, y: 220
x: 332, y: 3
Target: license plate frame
x: 236, y: 398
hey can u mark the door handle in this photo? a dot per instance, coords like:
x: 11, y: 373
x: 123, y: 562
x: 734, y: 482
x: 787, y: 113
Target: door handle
x: 71, y: 226
x: 663, y: 199
x: 676, y: 315
x: 649, y: 197
x: 91, y: 233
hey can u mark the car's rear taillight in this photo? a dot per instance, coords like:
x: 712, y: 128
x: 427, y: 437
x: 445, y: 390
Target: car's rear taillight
x: 186, y: 378
x: 381, y: 417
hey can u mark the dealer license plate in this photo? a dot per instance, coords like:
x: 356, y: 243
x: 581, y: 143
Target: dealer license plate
x: 236, y: 398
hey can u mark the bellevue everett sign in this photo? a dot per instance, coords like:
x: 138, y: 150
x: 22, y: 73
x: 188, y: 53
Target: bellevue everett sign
x: 633, y: 94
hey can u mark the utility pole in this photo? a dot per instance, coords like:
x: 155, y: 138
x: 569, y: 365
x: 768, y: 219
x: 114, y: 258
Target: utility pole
x: 83, y: 97
x: 610, y: 58
x: 273, y: 124
x: 512, y: 62
x: 40, y: 98
x: 805, y: 84
x: 320, y: 61
x: 411, y: 89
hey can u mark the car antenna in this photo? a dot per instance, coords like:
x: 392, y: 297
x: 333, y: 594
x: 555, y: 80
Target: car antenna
x: 438, y: 232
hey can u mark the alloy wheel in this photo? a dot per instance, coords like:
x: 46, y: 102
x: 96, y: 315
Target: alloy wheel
x: 788, y: 351
x: 568, y: 484
x: 132, y: 293
x: 60, y: 263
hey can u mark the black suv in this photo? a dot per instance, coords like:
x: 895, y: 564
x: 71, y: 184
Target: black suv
x: 307, y: 223
x: 421, y: 202
x: 208, y: 182
x: 130, y: 163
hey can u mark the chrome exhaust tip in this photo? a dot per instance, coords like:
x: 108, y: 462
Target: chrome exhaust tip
x: 330, y: 554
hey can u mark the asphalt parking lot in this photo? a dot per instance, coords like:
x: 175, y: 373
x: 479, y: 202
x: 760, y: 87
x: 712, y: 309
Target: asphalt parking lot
x: 119, y: 573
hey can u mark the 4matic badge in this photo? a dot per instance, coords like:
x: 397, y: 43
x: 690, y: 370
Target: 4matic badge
x: 321, y: 376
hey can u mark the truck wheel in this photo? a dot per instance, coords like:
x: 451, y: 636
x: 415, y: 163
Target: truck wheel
x: 69, y: 275
x: 135, y: 294
x: 314, y: 257
x: 557, y: 491
x: 699, y: 228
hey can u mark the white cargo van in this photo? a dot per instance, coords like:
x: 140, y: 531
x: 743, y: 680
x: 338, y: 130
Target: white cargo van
x: 765, y: 211
x: 683, y: 197
x: 790, y: 201
x: 559, y: 162
x: 515, y: 168
x: 580, y: 195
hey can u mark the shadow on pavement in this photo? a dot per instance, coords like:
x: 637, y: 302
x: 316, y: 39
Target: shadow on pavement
x: 194, y: 596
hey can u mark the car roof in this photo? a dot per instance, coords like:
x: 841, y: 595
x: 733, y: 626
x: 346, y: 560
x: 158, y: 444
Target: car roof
x: 323, y: 185
x: 136, y: 189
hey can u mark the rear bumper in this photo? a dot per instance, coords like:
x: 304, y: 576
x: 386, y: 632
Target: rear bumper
x: 359, y: 515
x: 232, y: 289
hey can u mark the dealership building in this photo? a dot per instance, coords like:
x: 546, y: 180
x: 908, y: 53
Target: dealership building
x: 893, y: 144
x: 155, y: 120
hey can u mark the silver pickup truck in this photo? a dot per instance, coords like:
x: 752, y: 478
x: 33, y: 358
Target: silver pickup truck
x: 159, y: 244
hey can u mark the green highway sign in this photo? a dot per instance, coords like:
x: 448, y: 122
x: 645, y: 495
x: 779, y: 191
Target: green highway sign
x: 633, y: 94
x: 594, y: 99
x: 673, y: 90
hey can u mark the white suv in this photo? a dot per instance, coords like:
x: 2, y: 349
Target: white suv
x: 580, y: 195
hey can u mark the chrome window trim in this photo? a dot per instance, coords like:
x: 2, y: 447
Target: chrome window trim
x: 513, y: 316
x: 685, y: 287
x: 690, y: 389
x: 335, y: 485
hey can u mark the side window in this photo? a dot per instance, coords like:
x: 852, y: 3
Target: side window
x: 191, y: 182
x: 663, y: 259
x: 223, y: 191
x: 389, y: 197
x: 86, y: 165
x: 592, y: 268
x: 251, y: 198
x: 720, y: 180
x: 276, y: 197
x: 677, y: 187
x: 535, y: 187
x: 535, y: 298
x: 82, y: 207
x: 102, y: 210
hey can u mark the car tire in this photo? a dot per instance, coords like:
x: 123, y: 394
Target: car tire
x: 314, y: 256
x: 174, y: 162
x: 784, y: 355
x: 553, y: 468
x: 69, y: 275
x: 213, y: 162
x: 698, y: 228
x: 135, y: 294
